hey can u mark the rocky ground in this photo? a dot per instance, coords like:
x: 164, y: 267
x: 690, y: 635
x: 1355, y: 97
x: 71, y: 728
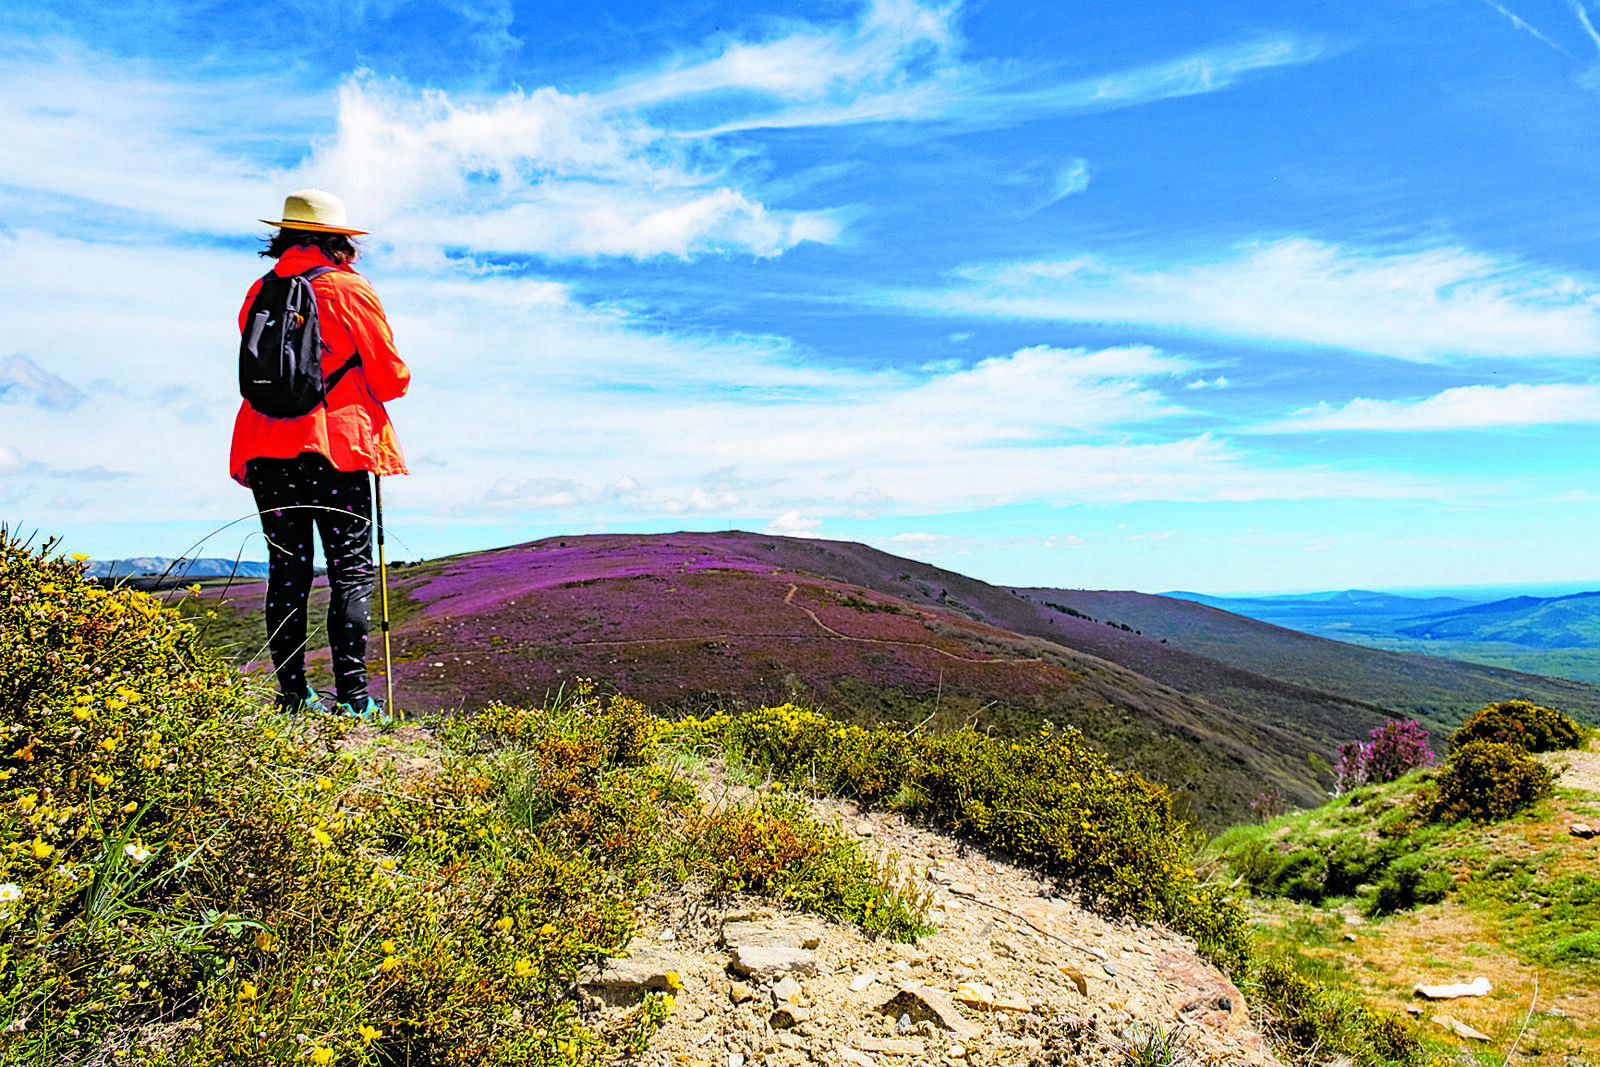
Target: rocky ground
x: 1016, y: 974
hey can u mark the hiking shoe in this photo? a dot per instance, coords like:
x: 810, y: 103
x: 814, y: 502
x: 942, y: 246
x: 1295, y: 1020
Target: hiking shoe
x: 373, y: 712
x: 304, y: 704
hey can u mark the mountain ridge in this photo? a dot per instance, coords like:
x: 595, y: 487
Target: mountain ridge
x: 695, y: 620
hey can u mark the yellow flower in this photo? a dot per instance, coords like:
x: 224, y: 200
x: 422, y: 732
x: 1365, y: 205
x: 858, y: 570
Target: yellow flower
x: 42, y: 848
x: 324, y: 784
x: 389, y: 948
x: 322, y: 838
x: 673, y: 980
x: 102, y: 780
x: 29, y: 802
x: 82, y: 714
x: 505, y: 924
x: 389, y: 963
x: 193, y: 588
x: 109, y: 744
x: 524, y: 968
x: 247, y: 991
x: 265, y: 942
x: 547, y: 929
x: 78, y: 557
x: 130, y: 807
x: 369, y: 1034
x: 321, y: 1055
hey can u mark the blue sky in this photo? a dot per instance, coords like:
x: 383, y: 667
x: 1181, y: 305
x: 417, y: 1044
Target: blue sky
x: 1232, y: 297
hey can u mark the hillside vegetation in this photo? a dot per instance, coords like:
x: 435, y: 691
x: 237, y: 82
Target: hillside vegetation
x: 1450, y: 873
x: 190, y: 880
x: 687, y: 622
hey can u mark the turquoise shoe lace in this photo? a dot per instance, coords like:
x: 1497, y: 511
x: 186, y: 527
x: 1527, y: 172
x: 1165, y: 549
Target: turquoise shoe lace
x: 374, y: 712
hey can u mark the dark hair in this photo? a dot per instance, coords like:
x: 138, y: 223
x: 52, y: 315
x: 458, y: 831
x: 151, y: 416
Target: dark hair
x: 336, y: 246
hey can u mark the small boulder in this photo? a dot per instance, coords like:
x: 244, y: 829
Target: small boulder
x: 892, y: 1046
x: 1075, y: 976
x: 788, y: 1015
x: 785, y: 990
x: 766, y: 963
x: 1459, y: 1028
x: 922, y: 1002
x: 646, y: 968
x: 782, y: 933
x: 1478, y: 987
x: 975, y: 995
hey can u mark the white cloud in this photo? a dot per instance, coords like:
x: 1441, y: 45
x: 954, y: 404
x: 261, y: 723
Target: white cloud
x: 1206, y: 71
x: 635, y: 169
x: 21, y: 377
x: 794, y: 524
x: 544, y: 172
x: 86, y: 133
x: 921, y: 539
x: 701, y: 502
x: 1425, y: 306
x: 889, y: 63
x: 555, y: 407
x: 1471, y: 407
x: 1069, y: 180
x: 524, y: 495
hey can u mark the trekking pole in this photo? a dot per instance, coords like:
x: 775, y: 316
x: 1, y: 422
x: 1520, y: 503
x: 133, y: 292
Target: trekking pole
x: 383, y: 597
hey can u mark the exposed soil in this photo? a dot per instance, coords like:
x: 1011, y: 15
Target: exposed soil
x: 1068, y: 987
x: 998, y: 925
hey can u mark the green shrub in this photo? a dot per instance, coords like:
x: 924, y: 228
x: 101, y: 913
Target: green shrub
x: 1580, y: 949
x: 1353, y: 863
x: 1487, y: 780
x: 1048, y: 799
x: 1409, y: 881
x: 1299, y: 876
x: 1521, y: 723
x: 774, y: 847
x: 1314, y: 1024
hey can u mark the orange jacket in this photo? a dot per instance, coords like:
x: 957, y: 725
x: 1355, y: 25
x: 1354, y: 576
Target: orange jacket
x: 352, y: 429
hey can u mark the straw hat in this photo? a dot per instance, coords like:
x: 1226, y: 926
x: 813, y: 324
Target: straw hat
x: 313, y: 209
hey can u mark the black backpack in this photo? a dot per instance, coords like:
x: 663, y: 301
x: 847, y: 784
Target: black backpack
x: 280, y: 351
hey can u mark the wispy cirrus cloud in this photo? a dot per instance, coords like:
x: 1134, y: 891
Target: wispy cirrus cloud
x: 1471, y: 407
x: 1526, y: 27
x: 901, y: 62
x: 1426, y: 306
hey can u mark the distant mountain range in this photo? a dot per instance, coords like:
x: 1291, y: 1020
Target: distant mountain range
x: 1555, y: 635
x: 179, y: 569
x: 1217, y: 705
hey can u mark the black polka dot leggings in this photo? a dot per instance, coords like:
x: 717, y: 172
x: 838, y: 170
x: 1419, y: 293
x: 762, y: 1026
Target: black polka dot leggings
x: 292, y: 496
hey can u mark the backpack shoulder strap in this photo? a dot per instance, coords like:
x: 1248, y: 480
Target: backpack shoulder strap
x: 311, y: 274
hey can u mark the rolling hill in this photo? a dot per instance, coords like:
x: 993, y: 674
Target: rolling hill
x: 1532, y: 622
x: 690, y: 621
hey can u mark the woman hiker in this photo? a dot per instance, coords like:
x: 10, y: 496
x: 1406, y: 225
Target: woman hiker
x: 312, y: 469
